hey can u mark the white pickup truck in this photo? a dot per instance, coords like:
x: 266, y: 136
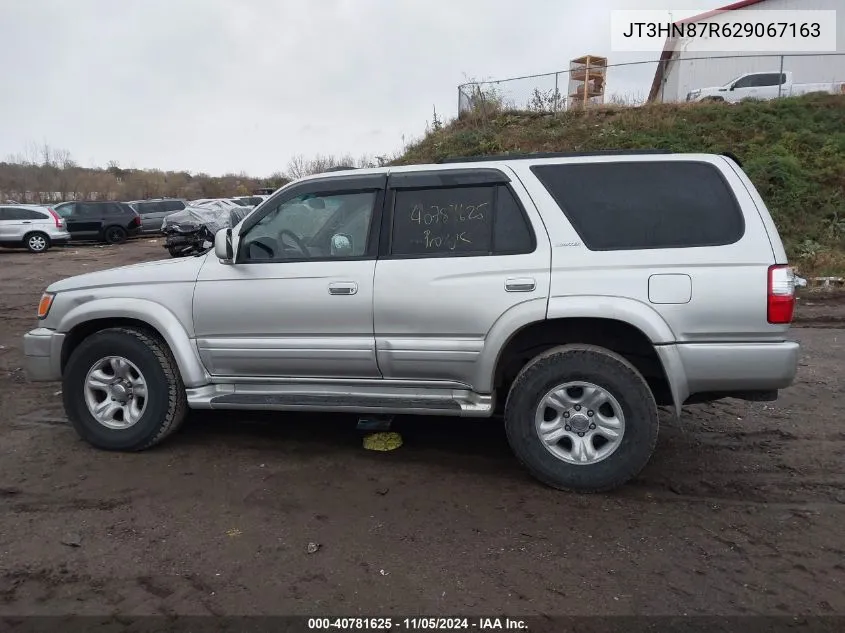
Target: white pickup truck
x: 768, y: 85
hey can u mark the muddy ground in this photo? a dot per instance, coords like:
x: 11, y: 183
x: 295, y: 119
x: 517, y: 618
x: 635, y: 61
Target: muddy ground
x: 741, y: 510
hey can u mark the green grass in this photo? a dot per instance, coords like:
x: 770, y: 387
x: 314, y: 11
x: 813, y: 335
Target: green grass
x: 792, y: 149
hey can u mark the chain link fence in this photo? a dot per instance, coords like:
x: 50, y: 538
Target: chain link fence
x: 672, y: 79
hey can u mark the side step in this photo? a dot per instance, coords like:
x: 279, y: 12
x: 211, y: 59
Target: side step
x: 367, y: 399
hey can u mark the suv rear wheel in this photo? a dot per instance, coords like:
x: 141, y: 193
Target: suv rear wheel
x: 122, y: 390
x: 114, y: 235
x: 581, y: 418
x: 37, y: 242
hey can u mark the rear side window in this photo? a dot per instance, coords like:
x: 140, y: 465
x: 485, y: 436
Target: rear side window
x: 481, y: 220
x: 644, y: 205
x: 172, y: 205
x: 147, y: 207
x: 31, y: 214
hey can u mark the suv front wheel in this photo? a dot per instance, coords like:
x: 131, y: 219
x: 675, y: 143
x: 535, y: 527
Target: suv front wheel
x: 581, y: 418
x: 123, y: 391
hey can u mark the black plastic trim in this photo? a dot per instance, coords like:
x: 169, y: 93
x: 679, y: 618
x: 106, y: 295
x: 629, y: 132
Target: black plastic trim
x: 441, y: 178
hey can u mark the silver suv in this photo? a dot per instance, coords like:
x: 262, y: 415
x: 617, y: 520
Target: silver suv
x: 571, y: 294
x: 33, y: 227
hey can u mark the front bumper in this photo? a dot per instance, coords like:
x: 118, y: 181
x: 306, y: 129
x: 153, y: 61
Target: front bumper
x: 42, y: 350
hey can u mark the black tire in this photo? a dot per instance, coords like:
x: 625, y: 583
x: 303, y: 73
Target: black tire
x: 37, y: 242
x: 114, y: 235
x: 166, y: 405
x: 175, y: 252
x: 605, y: 369
x: 712, y: 100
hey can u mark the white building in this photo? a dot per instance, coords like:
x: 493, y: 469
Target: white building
x: 679, y: 72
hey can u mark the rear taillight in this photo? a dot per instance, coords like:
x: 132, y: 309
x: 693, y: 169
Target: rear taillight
x: 781, y: 294
x: 136, y: 221
x: 59, y: 222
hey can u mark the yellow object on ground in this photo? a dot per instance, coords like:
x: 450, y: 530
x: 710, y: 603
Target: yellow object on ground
x: 382, y: 441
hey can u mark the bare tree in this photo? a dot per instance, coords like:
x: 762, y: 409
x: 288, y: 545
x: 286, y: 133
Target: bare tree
x: 299, y: 166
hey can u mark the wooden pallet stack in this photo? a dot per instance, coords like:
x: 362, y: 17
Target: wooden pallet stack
x: 587, y: 80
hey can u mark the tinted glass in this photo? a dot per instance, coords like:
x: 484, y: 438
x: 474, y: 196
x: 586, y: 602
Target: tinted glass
x: 769, y: 79
x: 642, y: 205
x: 442, y: 221
x: 65, y: 210
x: 31, y: 214
x: 511, y: 231
x: 13, y: 213
x: 4, y: 213
x: 88, y: 210
x: 172, y: 205
x: 746, y: 82
x: 144, y: 208
x: 311, y: 227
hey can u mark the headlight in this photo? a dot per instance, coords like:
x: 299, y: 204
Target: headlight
x: 45, y: 303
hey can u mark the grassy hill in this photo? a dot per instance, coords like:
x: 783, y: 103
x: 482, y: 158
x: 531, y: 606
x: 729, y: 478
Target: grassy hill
x: 793, y: 150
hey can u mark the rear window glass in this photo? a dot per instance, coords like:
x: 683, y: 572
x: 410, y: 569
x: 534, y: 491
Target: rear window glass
x: 147, y: 207
x: 172, y: 205
x: 644, y: 205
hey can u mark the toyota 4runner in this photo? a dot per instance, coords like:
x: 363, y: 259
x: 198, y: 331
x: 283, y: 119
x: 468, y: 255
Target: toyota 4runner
x: 572, y: 294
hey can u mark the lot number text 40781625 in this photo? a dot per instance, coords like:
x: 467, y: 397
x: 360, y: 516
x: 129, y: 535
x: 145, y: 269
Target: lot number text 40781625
x: 417, y: 624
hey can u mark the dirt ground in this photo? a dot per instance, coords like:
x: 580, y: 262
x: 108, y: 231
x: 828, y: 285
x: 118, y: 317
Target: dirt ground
x: 741, y: 510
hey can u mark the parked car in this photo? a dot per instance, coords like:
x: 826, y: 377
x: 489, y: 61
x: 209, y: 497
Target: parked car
x: 763, y: 86
x: 191, y: 231
x: 573, y: 294
x: 152, y: 212
x: 33, y: 227
x: 249, y: 201
x: 102, y: 221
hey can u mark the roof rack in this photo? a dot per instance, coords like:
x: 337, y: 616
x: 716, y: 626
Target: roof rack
x: 608, y: 152
x: 339, y: 168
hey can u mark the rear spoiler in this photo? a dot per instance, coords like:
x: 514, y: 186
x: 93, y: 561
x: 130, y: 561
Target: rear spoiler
x: 733, y: 157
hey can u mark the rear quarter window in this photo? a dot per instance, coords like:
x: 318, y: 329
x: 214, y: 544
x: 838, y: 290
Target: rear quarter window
x: 645, y: 205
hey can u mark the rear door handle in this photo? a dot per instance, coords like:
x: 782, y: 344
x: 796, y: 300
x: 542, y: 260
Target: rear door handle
x: 26, y: 222
x: 343, y: 288
x: 521, y: 284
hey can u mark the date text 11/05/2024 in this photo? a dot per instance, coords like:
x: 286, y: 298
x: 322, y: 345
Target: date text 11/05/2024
x: 417, y: 624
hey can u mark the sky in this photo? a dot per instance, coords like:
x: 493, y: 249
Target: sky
x: 229, y: 86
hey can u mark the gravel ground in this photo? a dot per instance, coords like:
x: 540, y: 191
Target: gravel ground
x: 739, y: 512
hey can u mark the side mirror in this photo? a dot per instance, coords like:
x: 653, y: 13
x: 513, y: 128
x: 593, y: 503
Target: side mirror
x: 732, y: 86
x: 341, y: 245
x: 223, y: 246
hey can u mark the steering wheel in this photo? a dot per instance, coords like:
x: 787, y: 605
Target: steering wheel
x: 296, y: 240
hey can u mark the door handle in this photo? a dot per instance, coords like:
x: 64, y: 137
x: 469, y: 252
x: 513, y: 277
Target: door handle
x: 26, y: 222
x: 343, y: 288
x: 522, y: 284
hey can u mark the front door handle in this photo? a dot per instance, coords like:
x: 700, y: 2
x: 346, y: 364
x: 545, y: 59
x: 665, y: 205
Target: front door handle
x: 521, y: 284
x: 343, y: 288
x: 26, y: 222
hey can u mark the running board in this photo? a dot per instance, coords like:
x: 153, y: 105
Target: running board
x: 346, y: 398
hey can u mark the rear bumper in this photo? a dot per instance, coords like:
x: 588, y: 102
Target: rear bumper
x: 739, y: 366
x: 60, y: 239
x: 719, y: 368
x: 42, y: 350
